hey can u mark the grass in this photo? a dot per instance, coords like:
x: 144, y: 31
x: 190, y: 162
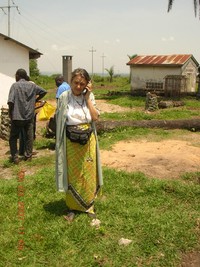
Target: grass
x: 160, y: 217
x: 128, y: 101
x: 137, y: 104
x: 169, y: 114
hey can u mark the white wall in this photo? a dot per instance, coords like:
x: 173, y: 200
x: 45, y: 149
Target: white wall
x: 141, y: 75
x: 5, y: 83
x: 190, y: 71
x: 12, y: 57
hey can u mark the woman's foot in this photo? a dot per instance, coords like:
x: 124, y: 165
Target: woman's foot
x: 92, y: 215
x: 70, y: 216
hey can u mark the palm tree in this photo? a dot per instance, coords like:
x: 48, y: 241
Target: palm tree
x: 111, y: 73
x: 131, y: 57
x: 196, y: 3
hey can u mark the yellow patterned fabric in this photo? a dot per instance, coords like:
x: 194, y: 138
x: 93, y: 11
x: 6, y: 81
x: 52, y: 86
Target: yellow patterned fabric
x: 81, y: 175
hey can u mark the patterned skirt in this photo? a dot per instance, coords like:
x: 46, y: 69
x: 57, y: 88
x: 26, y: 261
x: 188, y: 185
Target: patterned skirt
x: 82, y: 175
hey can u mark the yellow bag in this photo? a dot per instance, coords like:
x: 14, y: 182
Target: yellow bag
x: 46, y: 112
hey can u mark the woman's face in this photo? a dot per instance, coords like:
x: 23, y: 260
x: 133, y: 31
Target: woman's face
x: 78, y: 84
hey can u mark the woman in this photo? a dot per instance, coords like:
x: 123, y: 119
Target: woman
x: 78, y: 168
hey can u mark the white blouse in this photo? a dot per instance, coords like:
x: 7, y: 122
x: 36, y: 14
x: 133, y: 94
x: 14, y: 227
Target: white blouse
x: 78, y: 111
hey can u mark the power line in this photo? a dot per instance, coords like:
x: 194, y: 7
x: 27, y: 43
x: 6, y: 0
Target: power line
x: 8, y: 7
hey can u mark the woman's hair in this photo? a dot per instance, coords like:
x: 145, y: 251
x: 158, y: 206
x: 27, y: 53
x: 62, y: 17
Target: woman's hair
x: 81, y: 72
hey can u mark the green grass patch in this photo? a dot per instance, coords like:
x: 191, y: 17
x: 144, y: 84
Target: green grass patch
x: 191, y: 102
x: 158, y: 216
x: 161, y: 114
x: 128, y: 101
x: 44, y: 143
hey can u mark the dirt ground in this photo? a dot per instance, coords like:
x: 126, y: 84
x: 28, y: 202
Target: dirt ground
x: 163, y: 159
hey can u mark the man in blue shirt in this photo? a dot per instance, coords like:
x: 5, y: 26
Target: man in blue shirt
x: 61, y: 85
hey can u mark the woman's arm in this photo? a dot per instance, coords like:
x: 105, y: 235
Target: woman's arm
x: 90, y: 101
x: 93, y: 111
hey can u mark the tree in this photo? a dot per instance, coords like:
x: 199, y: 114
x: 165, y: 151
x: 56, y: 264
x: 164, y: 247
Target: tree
x: 34, y: 71
x: 110, y: 72
x: 196, y: 3
x: 131, y: 57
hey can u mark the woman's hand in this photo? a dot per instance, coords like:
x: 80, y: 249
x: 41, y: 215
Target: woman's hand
x: 89, y: 90
x: 93, y: 112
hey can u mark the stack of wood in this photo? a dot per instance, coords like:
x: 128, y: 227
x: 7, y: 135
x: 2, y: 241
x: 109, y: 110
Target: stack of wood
x: 151, y: 102
x: 170, y: 104
x: 5, y: 124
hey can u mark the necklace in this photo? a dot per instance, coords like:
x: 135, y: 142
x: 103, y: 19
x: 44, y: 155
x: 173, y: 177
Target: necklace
x: 89, y: 158
x: 79, y: 100
x: 80, y: 104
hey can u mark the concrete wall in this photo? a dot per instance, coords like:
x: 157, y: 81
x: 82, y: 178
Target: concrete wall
x: 142, y: 74
x: 5, y: 83
x: 12, y: 57
x: 190, y: 71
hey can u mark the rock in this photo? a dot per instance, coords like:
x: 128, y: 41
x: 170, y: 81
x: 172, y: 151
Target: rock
x: 124, y: 241
x: 96, y: 223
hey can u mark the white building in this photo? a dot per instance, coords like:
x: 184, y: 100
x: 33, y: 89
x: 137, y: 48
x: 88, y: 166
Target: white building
x: 159, y: 72
x: 13, y: 55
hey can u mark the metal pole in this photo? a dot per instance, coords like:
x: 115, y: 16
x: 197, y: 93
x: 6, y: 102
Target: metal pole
x: 92, y: 58
x: 8, y: 18
x: 9, y: 7
x: 103, y: 65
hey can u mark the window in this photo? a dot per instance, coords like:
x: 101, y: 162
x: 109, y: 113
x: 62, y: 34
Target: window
x: 154, y: 85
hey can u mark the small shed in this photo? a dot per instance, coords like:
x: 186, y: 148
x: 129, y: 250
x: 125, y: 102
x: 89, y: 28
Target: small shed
x: 13, y: 55
x: 154, y: 73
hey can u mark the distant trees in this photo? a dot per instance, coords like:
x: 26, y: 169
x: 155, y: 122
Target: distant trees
x: 196, y: 4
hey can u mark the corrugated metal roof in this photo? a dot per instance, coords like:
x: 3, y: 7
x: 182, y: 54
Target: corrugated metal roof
x: 161, y: 60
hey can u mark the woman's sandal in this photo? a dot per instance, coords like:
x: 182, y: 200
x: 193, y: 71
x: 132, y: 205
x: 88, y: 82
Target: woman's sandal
x: 92, y: 215
x: 69, y: 217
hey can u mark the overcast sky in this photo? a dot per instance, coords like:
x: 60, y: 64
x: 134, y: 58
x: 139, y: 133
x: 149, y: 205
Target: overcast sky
x: 114, y: 29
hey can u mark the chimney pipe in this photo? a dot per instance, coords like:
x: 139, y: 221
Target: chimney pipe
x: 67, y: 68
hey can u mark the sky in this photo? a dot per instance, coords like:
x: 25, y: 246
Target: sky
x: 113, y: 29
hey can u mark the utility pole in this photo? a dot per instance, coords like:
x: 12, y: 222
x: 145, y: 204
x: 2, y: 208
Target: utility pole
x: 103, y: 65
x: 92, y: 51
x: 8, y: 7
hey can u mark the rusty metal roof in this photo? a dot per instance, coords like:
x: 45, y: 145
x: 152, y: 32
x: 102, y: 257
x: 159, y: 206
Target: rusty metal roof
x: 158, y: 60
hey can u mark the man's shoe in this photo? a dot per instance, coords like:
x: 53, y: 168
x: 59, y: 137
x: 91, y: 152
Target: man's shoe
x: 16, y: 161
x: 21, y: 156
x: 27, y: 158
